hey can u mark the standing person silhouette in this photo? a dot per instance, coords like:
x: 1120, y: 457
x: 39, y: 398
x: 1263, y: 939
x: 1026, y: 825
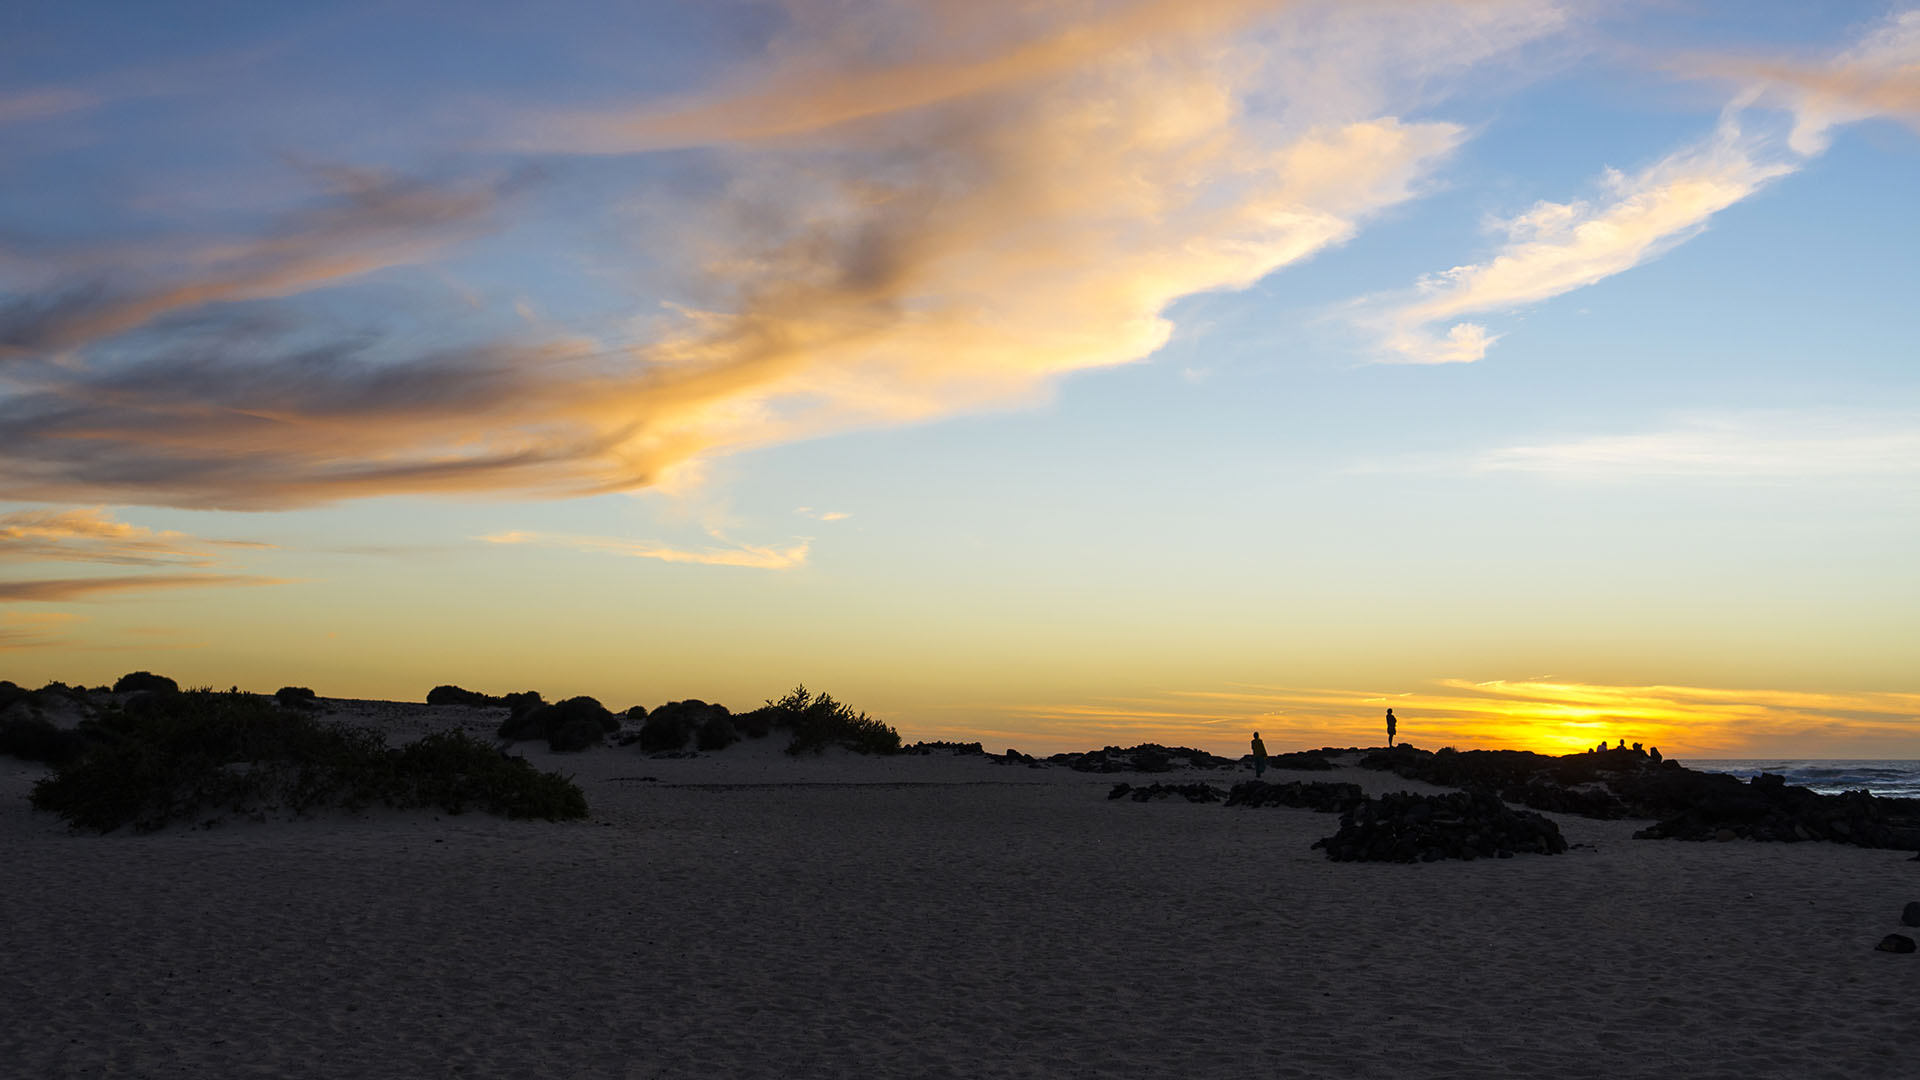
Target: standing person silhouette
x: 1259, y: 756
x: 1392, y: 724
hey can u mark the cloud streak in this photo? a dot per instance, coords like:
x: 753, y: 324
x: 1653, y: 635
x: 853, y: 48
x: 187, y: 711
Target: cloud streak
x: 733, y: 554
x: 92, y: 535
x: 1555, y: 248
x: 1774, y: 445
x: 55, y: 590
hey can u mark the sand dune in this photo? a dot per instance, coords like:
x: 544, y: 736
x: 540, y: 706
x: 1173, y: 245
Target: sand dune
x: 747, y: 914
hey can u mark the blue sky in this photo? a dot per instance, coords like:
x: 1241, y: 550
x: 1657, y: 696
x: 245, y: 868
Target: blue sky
x: 1069, y: 373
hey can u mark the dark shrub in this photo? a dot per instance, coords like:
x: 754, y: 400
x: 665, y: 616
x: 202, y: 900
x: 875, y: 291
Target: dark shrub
x: 135, y: 681
x: 10, y: 693
x: 522, y: 713
x: 582, y: 718
x: 454, y: 695
x: 295, y: 697
x: 671, y: 725
x: 576, y: 723
x: 200, y: 753
x: 452, y: 771
x: 33, y: 738
x: 637, y: 712
x: 756, y: 724
x: 818, y: 722
x: 716, y: 733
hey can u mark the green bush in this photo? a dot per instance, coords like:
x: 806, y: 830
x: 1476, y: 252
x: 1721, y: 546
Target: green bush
x: 818, y: 721
x: 200, y: 755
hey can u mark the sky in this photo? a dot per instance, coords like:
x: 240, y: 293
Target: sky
x: 1055, y: 374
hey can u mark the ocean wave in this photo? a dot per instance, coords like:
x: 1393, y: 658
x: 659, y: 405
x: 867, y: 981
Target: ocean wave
x: 1888, y: 779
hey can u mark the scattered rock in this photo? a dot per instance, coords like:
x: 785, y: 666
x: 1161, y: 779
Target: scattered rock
x: 1328, y: 798
x: 1146, y: 757
x: 1404, y: 827
x: 1899, y: 943
x: 1193, y: 793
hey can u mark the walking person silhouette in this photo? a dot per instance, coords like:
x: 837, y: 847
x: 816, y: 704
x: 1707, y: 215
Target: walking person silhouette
x: 1259, y: 756
x: 1391, y: 725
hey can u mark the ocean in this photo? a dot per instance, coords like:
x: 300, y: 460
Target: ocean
x: 1891, y: 779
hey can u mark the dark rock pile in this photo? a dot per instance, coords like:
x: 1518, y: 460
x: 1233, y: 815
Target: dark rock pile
x: 924, y: 749
x: 1688, y: 805
x: 1299, y: 761
x: 1146, y: 757
x: 1321, y: 795
x: 1769, y: 808
x: 1193, y: 793
x: 1403, y: 827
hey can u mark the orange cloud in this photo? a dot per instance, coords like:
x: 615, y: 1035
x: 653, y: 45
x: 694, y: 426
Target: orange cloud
x: 33, y: 629
x: 92, y: 535
x: 1023, y: 195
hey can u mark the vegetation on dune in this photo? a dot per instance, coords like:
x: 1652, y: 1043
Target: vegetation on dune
x: 817, y: 722
x: 199, y: 755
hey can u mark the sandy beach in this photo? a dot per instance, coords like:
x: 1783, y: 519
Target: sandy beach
x: 749, y: 914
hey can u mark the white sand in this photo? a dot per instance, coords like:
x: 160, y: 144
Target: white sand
x: 746, y: 914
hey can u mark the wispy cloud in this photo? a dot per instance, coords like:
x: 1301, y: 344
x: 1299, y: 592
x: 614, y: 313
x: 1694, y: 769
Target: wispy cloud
x: 54, y: 590
x: 821, y: 515
x: 38, y: 103
x: 1754, y: 445
x: 1880, y: 76
x: 1555, y: 248
x: 93, y: 535
x: 34, y: 629
x: 370, y: 221
x: 917, y: 210
x: 731, y: 554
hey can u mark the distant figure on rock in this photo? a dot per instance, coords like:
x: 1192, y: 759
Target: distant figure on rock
x: 1636, y: 748
x: 1392, y: 724
x: 1603, y: 746
x: 1622, y: 746
x: 1654, y: 753
x: 1259, y: 756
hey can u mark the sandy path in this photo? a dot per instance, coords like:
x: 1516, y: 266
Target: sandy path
x: 947, y: 918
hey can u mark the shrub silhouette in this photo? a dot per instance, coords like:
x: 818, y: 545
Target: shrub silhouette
x: 454, y: 695
x: 295, y: 697
x: 34, y: 738
x: 134, y: 681
x: 573, y: 724
x: 671, y: 725
x: 519, y: 723
x: 200, y: 753
x: 818, y: 721
x: 716, y: 733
